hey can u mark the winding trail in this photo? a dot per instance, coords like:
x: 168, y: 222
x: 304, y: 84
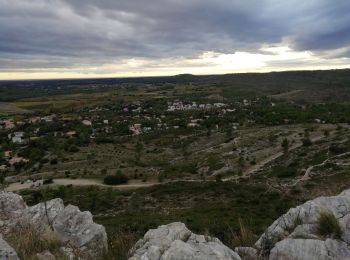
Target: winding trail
x: 255, y: 168
x: 306, y: 175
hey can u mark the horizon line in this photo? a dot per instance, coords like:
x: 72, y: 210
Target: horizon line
x: 175, y: 75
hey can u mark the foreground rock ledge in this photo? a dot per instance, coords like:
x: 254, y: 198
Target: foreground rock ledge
x: 74, y: 228
x: 293, y: 236
x: 176, y: 242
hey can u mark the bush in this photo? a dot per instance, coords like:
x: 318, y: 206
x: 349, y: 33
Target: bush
x: 328, y: 224
x: 53, y: 161
x: 307, y: 142
x: 48, y: 181
x: 116, y: 179
x: 284, y: 172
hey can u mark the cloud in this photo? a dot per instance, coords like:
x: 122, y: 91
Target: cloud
x: 89, y: 35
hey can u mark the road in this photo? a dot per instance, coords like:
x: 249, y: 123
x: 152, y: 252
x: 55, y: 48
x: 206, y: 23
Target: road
x: 78, y: 182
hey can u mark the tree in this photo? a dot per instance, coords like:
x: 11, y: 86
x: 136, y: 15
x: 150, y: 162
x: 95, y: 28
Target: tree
x: 138, y: 150
x: 241, y: 161
x: 326, y: 133
x: 285, y: 145
x: 307, y: 142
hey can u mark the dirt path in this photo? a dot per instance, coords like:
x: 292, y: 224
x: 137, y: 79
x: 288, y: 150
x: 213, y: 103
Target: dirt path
x: 78, y: 182
x: 251, y: 170
x: 306, y: 175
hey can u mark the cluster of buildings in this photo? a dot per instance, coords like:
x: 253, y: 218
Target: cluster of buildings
x: 12, y: 159
x: 179, y: 105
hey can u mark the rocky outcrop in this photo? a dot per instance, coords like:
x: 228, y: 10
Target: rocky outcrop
x: 295, y: 235
x: 78, y: 228
x: 72, y: 227
x: 11, y: 205
x: 176, y: 242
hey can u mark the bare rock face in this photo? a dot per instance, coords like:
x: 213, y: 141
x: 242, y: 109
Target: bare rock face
x: 79, y: 229
x: 175, y: 242
x: 43, y: 213
x: 291, y: 249
x: 69, y: 224
x: 6, y: 251
x: 11, y: 205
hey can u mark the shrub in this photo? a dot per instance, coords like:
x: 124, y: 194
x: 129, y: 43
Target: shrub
x: 116, y: 179
x: 307, y: 142
x: 284, y: 172
x: 48, y: 181
x: 53, y: 161
x: 328, y: 225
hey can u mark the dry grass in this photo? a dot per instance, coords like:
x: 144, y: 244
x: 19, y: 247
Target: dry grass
x: 28, y: 241
x: 244, y: 236
x: 120, y: 244
x: 328, y: 225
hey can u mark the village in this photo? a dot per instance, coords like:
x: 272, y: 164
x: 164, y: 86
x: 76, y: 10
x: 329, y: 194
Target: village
x: 29, y: 140
x: 92, y: 124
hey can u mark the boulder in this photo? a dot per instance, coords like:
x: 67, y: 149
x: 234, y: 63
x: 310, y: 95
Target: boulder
x: 11, y: 205
x: 174, y: 241
x: 79, y: 229
x: 6, y: 251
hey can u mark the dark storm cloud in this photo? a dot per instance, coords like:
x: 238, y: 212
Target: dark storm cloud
x: 69, y: 33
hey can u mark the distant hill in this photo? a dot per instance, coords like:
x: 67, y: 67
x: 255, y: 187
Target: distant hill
x: 306, y: 86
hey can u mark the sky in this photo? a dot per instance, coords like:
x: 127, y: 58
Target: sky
x: 126, y: 38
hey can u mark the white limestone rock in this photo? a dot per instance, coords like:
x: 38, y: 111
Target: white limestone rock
x: 73, y: 227
x: 11, y: 205
x: 80, y: 230
x: 175, y: 242
x: 307, y: 213
x: 311, y: 249
x: 43, y: 213
x: 247, y: 253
